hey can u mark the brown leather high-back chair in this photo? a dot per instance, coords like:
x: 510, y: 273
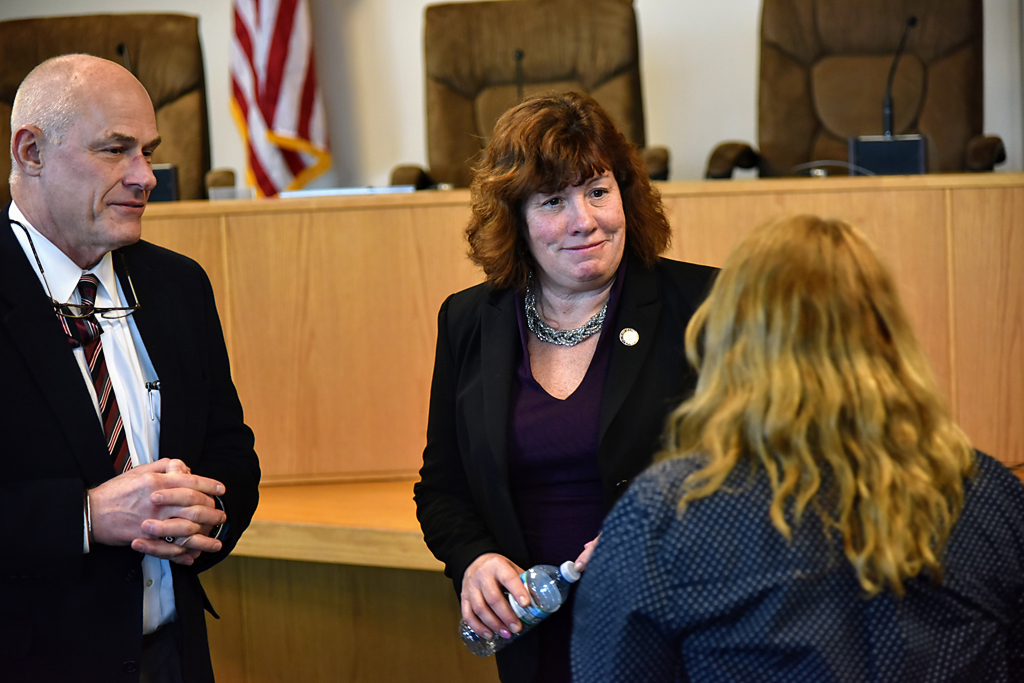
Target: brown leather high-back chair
x: 824, y: 67
x: 165, y: 56
x: 473, y: 75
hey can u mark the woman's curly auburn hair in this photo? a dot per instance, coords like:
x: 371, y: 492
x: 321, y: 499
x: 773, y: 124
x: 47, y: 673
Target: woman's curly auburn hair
x: 541, y: 145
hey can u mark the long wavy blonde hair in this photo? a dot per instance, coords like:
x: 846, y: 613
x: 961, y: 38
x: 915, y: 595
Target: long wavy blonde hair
x: 808, y: 366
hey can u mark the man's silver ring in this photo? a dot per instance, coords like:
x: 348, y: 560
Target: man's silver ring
x: 169, y: 539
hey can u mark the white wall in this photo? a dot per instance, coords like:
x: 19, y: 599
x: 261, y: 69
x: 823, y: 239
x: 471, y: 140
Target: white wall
x: 699, y: 63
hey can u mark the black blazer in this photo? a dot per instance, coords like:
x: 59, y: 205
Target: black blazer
x: 65, y: 615
x: 463, y: 500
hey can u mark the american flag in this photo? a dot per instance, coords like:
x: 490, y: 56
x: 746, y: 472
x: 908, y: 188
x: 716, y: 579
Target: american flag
x: 275, y: 100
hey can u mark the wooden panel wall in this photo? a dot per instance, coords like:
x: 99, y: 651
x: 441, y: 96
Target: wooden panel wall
x: 330, y: 304
x: 988, y: 285
x: 331, y: 311
x: 906, y: 225
x: 348, y: 303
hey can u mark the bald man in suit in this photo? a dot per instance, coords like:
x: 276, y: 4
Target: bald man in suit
x: 127, y: 466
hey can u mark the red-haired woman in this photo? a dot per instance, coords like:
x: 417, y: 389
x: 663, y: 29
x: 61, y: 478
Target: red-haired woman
x: 552, y: 379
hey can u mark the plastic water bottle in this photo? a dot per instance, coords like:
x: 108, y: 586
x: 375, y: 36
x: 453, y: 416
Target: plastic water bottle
x: 548, y: 587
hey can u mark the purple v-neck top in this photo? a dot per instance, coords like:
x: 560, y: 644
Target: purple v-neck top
x: 553, y: 471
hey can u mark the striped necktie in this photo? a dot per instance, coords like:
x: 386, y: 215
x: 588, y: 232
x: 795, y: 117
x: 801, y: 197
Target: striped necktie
x: 85, y: 332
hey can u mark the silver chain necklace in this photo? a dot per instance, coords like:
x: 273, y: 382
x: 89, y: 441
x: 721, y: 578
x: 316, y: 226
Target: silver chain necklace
x: 548, y: 334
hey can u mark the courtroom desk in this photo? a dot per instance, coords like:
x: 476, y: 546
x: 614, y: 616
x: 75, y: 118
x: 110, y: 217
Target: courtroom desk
x: 348, y: 289
x: 332, y: 582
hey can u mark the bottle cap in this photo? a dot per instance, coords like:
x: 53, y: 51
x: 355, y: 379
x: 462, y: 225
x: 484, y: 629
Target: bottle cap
x: 568, y: 571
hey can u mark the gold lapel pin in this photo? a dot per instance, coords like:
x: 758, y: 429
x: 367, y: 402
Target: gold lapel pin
x: 628, y: 336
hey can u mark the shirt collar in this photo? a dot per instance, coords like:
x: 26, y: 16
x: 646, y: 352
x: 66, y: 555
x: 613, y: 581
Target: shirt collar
x: 63, y: 274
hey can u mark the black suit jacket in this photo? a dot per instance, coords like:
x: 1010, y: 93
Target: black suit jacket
x: 463, y: 499
x: 69, y: 616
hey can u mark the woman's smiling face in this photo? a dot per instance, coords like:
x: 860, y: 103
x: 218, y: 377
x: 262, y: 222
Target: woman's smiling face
x: 577, y: 234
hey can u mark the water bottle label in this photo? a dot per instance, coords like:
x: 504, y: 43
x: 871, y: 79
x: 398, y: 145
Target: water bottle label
x: 531, y: 614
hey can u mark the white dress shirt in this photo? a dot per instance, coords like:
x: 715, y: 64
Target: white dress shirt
x: 130, y: 369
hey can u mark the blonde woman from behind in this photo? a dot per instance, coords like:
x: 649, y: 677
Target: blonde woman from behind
x: 816, y: 514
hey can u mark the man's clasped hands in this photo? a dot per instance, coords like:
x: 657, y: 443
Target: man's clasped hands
x: 160, y: 509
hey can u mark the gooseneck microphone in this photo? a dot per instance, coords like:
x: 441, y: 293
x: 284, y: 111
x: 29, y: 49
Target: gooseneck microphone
x: 887, y: 102
x: 122, y: 50
x: 518, y: 56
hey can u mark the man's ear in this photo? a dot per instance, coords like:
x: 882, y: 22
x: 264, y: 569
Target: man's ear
x: 26, y: 148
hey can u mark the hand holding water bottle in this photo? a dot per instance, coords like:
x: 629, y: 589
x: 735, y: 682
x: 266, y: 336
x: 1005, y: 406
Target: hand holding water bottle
x: 548, y: 589
x: 486, y: 585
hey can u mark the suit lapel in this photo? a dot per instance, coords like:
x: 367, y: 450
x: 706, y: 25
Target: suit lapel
x: 499, y: 333
x: 157, y: 332
x: 36, y: 333
x: 639, y: 309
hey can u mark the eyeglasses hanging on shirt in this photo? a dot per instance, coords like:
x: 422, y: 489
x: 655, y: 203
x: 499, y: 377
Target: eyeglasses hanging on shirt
x: 78, y: 311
